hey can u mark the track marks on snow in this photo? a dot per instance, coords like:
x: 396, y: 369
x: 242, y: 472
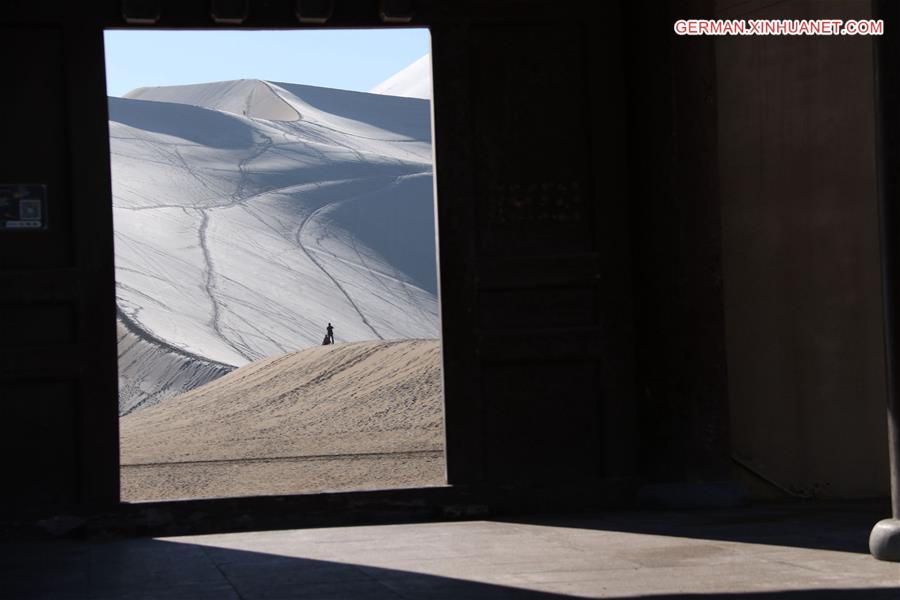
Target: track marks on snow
x: 209, y: 285
x: 311, y: 255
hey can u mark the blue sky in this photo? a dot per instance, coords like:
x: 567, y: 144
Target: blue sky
x: 345, y: 59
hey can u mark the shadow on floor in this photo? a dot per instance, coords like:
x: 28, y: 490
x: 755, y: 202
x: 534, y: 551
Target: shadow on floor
x: 835, y: 526
x: 187, y: 571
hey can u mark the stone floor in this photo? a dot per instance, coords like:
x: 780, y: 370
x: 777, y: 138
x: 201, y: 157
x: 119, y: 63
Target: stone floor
x: 795, y: 553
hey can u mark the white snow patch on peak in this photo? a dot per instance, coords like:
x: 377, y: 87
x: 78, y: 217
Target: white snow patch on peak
x: 248, y: 97
x: 413, y: 81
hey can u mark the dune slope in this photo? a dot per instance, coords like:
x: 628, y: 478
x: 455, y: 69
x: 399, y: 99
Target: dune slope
x: 364, y: 415
x: 413, y: 81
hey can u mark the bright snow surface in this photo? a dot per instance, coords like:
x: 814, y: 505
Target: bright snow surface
x: 413, y: 81
x: 250, y: 214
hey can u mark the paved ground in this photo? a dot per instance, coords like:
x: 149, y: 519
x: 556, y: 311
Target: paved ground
x: 794, y: 553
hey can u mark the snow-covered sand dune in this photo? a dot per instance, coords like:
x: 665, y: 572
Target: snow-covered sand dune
x: 149, y: 366
x: 361, y: 415
x: 412, y: 82
x: 249, y: 214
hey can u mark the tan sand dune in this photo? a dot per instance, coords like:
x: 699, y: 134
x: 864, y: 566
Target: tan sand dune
x: 364, y: 415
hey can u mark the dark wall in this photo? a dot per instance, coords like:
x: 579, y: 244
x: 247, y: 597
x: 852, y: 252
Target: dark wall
x: 534, y: 250
x: 57, y: 344
x: 676, y: 227
x: 801, y: 256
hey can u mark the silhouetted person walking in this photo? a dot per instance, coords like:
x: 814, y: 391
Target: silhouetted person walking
x: 329, y: 335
